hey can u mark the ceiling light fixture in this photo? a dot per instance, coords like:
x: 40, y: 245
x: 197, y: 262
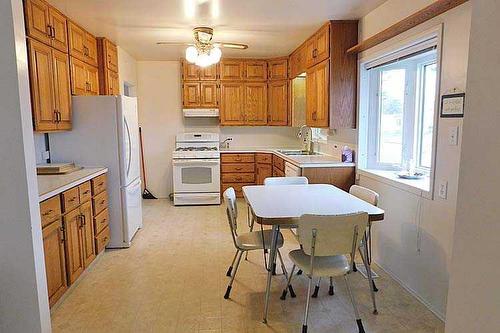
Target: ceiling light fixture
x: 203, y: 53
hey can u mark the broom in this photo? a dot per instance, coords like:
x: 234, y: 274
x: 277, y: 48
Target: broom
x: 145, y: 194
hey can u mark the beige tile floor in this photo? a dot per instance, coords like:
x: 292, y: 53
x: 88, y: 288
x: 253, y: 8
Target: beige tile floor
x: 173, y: 278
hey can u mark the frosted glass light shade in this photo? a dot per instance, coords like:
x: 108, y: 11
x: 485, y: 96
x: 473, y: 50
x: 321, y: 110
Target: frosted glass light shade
x: 191, y: 54
x: 215, y: 55
x: 203, y: 60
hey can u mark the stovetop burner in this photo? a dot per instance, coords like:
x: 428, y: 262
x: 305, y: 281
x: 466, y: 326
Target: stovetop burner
x: 196, y: 149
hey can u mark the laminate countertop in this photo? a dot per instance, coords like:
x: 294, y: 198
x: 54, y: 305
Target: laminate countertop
x: 301, y: 161
x: 51, y: 185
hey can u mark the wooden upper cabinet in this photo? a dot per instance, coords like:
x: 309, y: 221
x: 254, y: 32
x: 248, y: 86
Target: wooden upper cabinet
x: 277, y: 103
x: 255, y: 70
x: 74, y: 240
x: 62, y: 89
x: 190, y: 72
x: 318, y: 46
x: 209, y: 73
x: 278, y: 69
x: 42, y: 87
x: 107, y: 59
x: 298, y: 62
x: 231, y: 70
x: 55, y: 260
x: 37, y: 20
x: 191, y: 95
x: 318, y: 95
x: 110, y: 55
x: 231, y: 103
x: 82, y: 45
x: 113, y: 83
x: 59, y: 27
x: 84, y: 78
x: 255, y: 106
x: 209, y: 95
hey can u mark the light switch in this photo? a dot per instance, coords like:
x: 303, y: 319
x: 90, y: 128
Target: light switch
x: 443, y: 189
x: 453, y: 136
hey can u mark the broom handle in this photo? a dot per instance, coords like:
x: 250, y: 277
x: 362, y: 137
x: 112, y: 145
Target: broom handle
x: 142, y: 157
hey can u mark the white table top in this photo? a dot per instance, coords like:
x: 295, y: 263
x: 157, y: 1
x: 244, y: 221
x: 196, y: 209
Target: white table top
x: 293, y: 201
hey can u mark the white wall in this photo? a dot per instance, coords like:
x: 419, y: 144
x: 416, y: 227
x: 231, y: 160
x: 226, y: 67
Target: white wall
x: 414, y: 241
x: 127, y: 69
x: 474, y: 297
x: 160, y: 115
x: 23, y: 287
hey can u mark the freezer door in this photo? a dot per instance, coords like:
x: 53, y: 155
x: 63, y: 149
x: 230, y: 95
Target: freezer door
x: 132, y: 209
x: 128, y: 130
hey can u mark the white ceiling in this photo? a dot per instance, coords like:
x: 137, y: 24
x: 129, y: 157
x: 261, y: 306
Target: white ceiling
x: 269, y: 27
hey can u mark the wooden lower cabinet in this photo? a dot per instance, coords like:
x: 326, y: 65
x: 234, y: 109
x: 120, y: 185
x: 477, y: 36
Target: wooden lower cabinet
x: 74, y: 244
x: 342, y: 178
x: 237, y: 170
x: 262, y: 171
x: 88, y: 242
x: 55, y: 260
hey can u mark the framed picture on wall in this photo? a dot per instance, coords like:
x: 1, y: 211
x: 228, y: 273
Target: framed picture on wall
x: 453, y: 105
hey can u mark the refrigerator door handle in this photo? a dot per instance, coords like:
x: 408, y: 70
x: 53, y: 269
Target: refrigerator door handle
x: 129, y: 146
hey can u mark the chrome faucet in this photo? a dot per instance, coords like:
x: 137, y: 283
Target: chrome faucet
x: 305, y: 134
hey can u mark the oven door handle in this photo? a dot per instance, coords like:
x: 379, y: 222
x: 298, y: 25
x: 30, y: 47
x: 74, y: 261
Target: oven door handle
x: 197, y: 162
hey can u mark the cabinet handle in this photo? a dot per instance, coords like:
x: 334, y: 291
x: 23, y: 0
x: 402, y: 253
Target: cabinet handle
x: 49, y: 31
x: 86, y: 192
x: 237, y: 169
x: 100, y: 184
x: 47, y: 213
x: 61, y: 234
x: 80, y: 218
x: 238, y: 179
x: 53, y: 32
x: 103, y: 221
x: 102, y: 202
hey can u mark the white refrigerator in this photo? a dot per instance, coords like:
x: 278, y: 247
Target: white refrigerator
x: 106, y: 133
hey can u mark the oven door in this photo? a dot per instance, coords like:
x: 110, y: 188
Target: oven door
x: 196, y: 175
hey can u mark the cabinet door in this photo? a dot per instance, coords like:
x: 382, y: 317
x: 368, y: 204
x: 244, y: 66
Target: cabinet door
x: 88, y: 243
x: 255, y: 70
x: 93, y: 80
x: 208, y: 93
x: 74, y: 244
x: 318, y: 95
x: 37, y: 20
x: 256, y: 103
x: 191, y: 94
x: 113, y: 83
x: 58, y: 23
x: 91, y: 50
x: 262, y: 172
x: 278, y: 69
x: 298, y: 62
x: 111, y: 56
x: 79, y: 84
x: 231, y: 104
x: 278, y: 103
x: 55, y: 262
x: 208, y: 73
x: 322, y: 48
x: 231, y: 70
x: 190, y: 72
x: 42, y: 89
x: 76, y: 38
x: 62, y: 89
x: 309, y: 52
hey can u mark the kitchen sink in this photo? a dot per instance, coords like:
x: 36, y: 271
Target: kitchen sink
x: 297, y: 152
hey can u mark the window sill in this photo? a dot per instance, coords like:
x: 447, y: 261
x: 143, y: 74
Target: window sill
x: 420, y: 187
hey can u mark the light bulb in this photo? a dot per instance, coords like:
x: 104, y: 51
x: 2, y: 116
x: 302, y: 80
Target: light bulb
x: 215, y: 55
x: 203, y: 60
x: 191, y: 54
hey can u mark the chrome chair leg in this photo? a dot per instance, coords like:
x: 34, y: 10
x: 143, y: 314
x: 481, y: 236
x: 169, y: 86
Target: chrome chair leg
x: 289, y: 286
x: 355, y: 307
x: 331, y: 290
x: 370, y: 278
x: 228, y: 290
x: 230, y: 269
x: 308, y: 299
x: 316, y: 289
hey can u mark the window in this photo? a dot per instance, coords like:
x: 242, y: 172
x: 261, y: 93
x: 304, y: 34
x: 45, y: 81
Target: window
x: 401, y: 112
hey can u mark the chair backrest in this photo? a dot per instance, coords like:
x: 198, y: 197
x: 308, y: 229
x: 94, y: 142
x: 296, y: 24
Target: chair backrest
x: 364, y: 194
x: 335, y: 234
x: 286, y: 181
x: 231, y: 209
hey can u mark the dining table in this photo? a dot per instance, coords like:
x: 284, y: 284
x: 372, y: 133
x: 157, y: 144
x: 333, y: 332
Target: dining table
x: 280, y: 206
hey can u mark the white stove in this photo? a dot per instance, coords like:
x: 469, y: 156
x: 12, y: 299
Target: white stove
x: 196, y: 162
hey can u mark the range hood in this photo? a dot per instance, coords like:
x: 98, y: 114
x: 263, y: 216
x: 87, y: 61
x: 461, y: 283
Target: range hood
x: 191, y: 113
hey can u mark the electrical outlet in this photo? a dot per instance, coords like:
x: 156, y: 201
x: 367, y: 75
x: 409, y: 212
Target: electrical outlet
x: 45, y: 155
x: 453, y: 136
x: 443, y: 189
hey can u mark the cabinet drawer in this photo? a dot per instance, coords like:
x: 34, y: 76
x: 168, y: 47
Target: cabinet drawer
x: 71, y: 199
x: 100, y: 202
x: 238, y: 158
x: 238, y: 168
x: 101, y: 221
x: 102, y: 239
x: 264, y: 158
x: 85, y: 192
x: 99, y: 184
x: 50, y: 209
x: 237, y: 188
x: 279, y: 163
x: 238, y: 177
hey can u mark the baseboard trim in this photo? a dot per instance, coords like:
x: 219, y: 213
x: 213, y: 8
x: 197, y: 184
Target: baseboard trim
x: 438, y: 314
